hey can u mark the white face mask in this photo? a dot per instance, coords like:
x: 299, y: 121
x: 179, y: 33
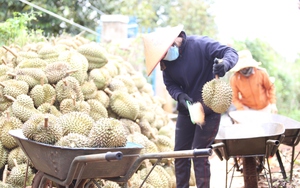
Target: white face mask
x: 172, y: 54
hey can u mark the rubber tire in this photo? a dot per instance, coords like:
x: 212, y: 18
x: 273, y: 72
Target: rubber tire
x: 250, y: 172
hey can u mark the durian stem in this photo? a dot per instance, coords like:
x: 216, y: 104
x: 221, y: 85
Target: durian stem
x: 108, y: 91
x: 65, y: 82
x: 46, y: 121
x: 71, y: 71
x: 42, y: 81
x: 1, y: 84
x: 53, y: 100
x: 3, y: 61
x: 11, y: 74
x: 15, y: 162
x: 10, y: 98
x: 6, y: 48
x: 5, y: 172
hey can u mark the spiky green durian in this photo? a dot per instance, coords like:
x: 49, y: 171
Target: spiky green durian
x: 76, y: 122
x: 108, y: 132
x: 98, y: 110
x: 67, y: 88
x: 14, y: 88
x: 101, y: 77
x: 123, y: 104
x: 42, y: 128
x: 57, y: 71
x: 217, y: 95
x: 23, y: 107
x: 95, y: 54
x: 77, y: 62
x: 8, y: 123
x: 17, y: 175
x: 89, y: 89
x: 73, y: 140
x: 71, y: 105
x: 42, y: 93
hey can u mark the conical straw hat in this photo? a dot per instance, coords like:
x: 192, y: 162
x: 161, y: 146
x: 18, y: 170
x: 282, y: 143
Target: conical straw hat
x: 157, y: 43
x: 245, y: 60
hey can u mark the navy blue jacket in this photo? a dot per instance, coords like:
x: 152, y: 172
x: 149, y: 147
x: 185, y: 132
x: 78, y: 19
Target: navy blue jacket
x: 193, y: 68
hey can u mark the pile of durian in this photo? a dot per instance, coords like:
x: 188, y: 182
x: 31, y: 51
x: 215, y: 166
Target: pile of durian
x: 69, y: 91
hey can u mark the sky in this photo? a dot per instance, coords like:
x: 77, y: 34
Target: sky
x: 274, y: 21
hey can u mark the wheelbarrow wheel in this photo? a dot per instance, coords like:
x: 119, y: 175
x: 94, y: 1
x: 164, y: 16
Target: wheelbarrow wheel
x: 250, y: 172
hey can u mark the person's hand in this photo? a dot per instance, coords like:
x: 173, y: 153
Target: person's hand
x: 274, y: 109
x: 219, y: 68
x: 182, y: 98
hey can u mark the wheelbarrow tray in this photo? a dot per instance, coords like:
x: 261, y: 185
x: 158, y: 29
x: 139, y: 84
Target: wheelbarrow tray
x: 247, y: 139
x: 292, y: 127
x: 56, y: 161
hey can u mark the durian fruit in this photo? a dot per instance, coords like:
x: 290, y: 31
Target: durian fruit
x: 111, y: 67
x: 164, y: 143
x: 76, y: 122
x: 108, y: 133
x: 165, y: 176
x: 123, y: 104
x: 101, y: 77
x: 23, y: 107
x: 117, y: 84
x: 42, y: 128
x: 135, y: 181
x: 48, y: 52
x: 5, y: 103
x: 33, y: 63
x: 18, y: 174
x: 73, y: 140
x: 32, y: 76
x: 4, y: 69
x: 42, y: 93
x: 97, y: 109
x: 155, y: 178
x: 130, y: 126
x: 67, y: 88
x: 146, y: 128
x: 95, y: 54
x: 217, y: 95
x: 3, y: 155
x: 129, y: 83
x: 14, y: 88
x: 89, y: 89
x: 170, y: 169
x: 71, y: 105
x: 57, y: 71
x: 8, y: 123
x: 18, y: 155
x: 77, y: 62
x: 49, y: 108
x: 103, y: 98
x: 3, y: 183
x: 139, y: 138
x: 139, y: 80
x: 110, y: 184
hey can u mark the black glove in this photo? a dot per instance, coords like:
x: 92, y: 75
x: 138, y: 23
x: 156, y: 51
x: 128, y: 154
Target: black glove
x: 182, y: 98
x: 219, y: 68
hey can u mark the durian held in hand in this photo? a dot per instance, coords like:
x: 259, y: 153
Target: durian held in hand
x: 217, y: 94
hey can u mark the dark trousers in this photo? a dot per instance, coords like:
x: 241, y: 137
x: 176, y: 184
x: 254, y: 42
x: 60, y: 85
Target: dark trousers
x: 189, y: 136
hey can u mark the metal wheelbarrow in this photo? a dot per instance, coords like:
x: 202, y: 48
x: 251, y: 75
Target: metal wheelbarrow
x: 63, y: 165
x: 292, y: 131
x: 248, y: 141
